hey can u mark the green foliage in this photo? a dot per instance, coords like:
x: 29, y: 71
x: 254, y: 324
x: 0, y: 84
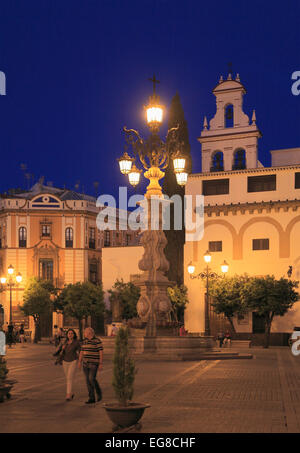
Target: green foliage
x: 3, y: 370
x: 80, y: 300
x: 269, y: 297
x: 179, y: 299
x: 124, y: 368
x: 128, y: 295
x: 37, y: 297
x: 226, y: 294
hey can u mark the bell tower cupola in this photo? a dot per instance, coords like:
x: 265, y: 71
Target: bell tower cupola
x: 229, y: 139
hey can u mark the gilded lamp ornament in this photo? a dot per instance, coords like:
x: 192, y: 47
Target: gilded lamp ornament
x: 154, y: 155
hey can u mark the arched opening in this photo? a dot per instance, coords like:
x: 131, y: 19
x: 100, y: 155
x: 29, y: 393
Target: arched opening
x: 22, y: 237
x: 217, y: 162
x: 239, y: 160
x: 69, y: 237
x: 228, y: 116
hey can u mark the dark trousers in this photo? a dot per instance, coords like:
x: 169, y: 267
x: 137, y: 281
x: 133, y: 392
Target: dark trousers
x: 90, y: 371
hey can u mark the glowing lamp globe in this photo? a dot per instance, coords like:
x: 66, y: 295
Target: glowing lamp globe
x: 3, y: 280
x: 207, y: 257
x: 134, y: 175
x: 181, y: 178
x: 224, y: 267
x: 191, y: 268
x: 179, y: 164
x: 19, y: 278
x: 10, y: 270
x: 125, y: 163
x: 154, y: 113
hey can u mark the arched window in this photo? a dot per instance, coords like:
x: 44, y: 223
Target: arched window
x: 69, y: 237
x: 239, y: 160
x: 228, y: 116
x: 22, y: 237
x: 217, y: 163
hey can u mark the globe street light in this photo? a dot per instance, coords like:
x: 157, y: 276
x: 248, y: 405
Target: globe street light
x: 207, y: 274
x: 154, y: 155
x: 10, y: 282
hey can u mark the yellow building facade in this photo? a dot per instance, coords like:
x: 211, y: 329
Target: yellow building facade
x: 52, y: 234
x: 251, y: 213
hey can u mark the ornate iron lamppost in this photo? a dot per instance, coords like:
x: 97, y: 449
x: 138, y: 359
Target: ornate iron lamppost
x: 207, y: 274
x: 10, y: 283
x: 154, y: 155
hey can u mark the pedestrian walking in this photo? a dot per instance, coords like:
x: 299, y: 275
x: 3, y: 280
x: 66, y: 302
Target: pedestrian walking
x: 56, y: 335
x: 10, y: 335
x: 70, y: 353
x: 114, y: 331
x: 22, y: 335
x: 61, y: 335
x: 91, y: 356
x: 182, y: 331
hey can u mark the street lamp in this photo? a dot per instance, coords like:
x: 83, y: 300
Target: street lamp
x: 10, y: 282
x: 207, y: 274
x: 154, y: 155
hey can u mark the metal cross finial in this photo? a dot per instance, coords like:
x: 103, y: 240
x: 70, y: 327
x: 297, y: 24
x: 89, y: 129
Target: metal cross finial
x: 154, y: 81
x: 230, y: 68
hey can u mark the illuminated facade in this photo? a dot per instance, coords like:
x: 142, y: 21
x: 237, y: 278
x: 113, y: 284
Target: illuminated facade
x: 252, y: 213
x: 52, y: 234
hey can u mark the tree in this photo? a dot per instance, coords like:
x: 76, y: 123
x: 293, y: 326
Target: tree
x: 226, y: 294
x: 124, y: 369
x: 269, y: 297
x: 176, y: 238
x: 127, y: 295
x: 81, y: 300
x: 179, y: 299
x: 37, y: 301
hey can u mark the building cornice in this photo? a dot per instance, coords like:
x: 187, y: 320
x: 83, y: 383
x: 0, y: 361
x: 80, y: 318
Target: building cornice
x: 245, y: 171
x: 207, y: 138
x: 251, y: 208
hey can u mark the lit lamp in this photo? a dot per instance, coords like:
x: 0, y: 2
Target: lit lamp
x: 207, y: 274
x: 125, y: 163
x: 191, y: 268
x: 134, y: 175
x: 10, y: 283
x: 181, y: 178
x: 207, y: 257
x: 224, y: 267
x: 154, y: 113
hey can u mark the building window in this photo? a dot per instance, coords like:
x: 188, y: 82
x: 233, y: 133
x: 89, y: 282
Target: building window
x: 46, y: 269
x: 93, y: 273
x: 92, y: 238
x: 22, y: 237
x: 228, y: 116
x: 261, y: 183
x: 215, y: 187
x: 217, y: 162
x: 215, y: 246
x: 46, y: 230
x: 239, y: 160
x: 297, y: 180
x: 69, y: 237
x: 260, y: 244
x: 106, y: 238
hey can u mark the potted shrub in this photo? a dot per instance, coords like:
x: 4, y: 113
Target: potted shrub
x: 124, y: 413
x: 5, y: 384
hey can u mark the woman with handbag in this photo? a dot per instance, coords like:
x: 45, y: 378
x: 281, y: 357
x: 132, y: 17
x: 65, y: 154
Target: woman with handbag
x: 69, y: 355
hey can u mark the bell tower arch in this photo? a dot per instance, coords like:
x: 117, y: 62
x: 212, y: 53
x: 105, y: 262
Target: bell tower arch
x: 230, y: 131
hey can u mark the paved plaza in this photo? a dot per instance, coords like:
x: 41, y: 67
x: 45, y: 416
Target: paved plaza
x: 261, y: 395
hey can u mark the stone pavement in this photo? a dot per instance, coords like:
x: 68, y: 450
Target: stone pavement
x: 261, y: 395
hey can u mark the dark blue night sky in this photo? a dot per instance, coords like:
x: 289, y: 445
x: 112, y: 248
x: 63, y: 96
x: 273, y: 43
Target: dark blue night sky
x: 77, y: 71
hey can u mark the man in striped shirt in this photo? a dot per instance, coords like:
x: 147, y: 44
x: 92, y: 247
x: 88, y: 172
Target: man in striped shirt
x: 91, y: 356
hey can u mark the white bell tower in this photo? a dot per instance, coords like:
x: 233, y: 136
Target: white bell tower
x: 229, y: 142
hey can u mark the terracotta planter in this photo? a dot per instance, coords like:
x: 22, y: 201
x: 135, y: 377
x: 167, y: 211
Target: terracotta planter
x: 125, y: 416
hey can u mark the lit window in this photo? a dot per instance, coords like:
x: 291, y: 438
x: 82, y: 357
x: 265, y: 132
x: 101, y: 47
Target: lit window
x: 22, y: 237
x: 69, y: 237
